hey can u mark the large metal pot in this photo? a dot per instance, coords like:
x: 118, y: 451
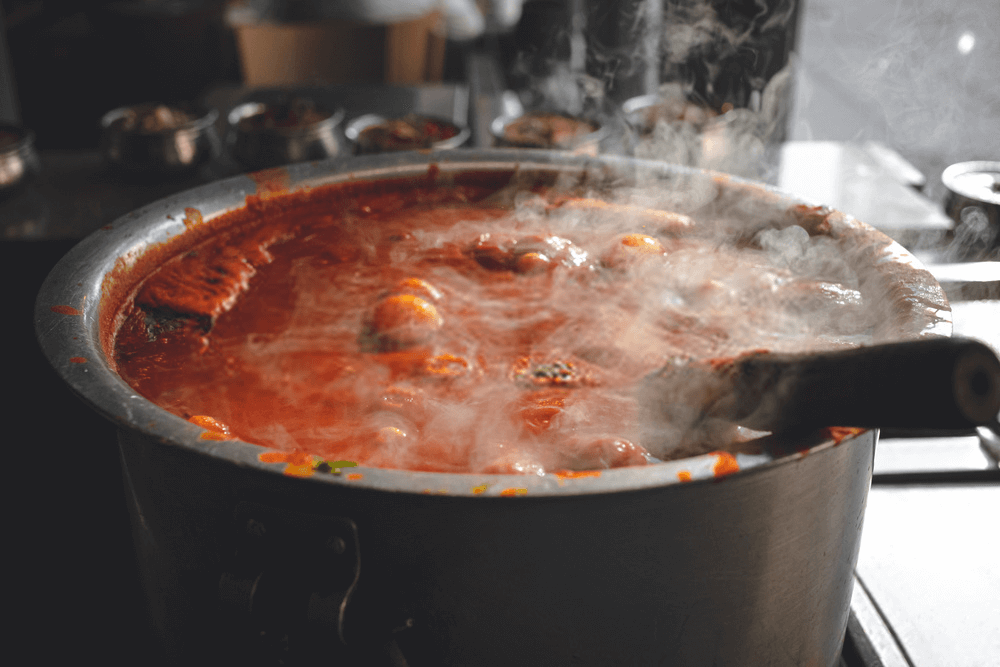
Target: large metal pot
x: 625, y: 567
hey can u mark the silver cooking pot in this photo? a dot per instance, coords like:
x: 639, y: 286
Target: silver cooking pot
x: 241, y: 560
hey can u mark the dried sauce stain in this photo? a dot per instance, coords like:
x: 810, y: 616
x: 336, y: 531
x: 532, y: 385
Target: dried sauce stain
x: 214, y: 429
x: 355, y: 476
x: 684, y: 475
x: 840, y: 433
x: 192, y: 217
x: 78, y: 360
x: 477, y: 490
x: 514, y: 492
x: 563, y: 475
x: 300, y: 464
x: 725, y: 464
x: 65, y: 310
x: 270, y: 181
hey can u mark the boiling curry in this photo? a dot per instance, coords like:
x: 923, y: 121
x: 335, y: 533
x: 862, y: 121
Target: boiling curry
x: 466, y: 327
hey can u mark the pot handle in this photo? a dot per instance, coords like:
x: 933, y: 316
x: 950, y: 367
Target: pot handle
x: 933, y: 383
x: 936, y: 384
x: 294, y: 574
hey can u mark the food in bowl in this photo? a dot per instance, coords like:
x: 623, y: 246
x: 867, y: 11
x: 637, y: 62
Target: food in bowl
x: 375, y: 134
x: 474, y: 326
x: 541, y: 129
x: 152, y: 118
x: 267, y: 134
x: 298, y: 112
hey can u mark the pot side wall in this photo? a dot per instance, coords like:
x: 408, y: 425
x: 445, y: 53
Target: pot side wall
x: 754, y: 569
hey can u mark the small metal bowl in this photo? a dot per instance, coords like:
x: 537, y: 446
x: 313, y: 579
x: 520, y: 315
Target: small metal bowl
x: 538, y: 129
x: 973, y: 202
x: 263, y: 134
x: 18, y: 158
x: 158, y: 138
x: 372, y: 133
x: 643, y: 112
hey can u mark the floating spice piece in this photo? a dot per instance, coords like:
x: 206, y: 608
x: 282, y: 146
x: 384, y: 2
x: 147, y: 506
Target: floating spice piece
x: 530, y: 374
x: 333, y: 467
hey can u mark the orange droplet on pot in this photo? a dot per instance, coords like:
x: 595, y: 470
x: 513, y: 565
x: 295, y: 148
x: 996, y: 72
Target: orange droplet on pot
x: 725, y: 464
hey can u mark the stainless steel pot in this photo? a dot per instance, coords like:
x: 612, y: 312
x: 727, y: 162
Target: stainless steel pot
x: 627, y: 567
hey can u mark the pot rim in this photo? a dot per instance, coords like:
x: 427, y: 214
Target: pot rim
x: 69, y: 320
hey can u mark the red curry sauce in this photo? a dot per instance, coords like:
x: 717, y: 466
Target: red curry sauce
x: 434, y: 329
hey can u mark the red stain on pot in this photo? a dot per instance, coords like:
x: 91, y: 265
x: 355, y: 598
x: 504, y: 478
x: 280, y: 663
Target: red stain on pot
x: 840, y: 433
x: 300, y: 464
x: 78, y: 360
x: 214, y: 429
x: 563, y: 475
x: 270, y: 181
x: 725, y: 464
x: 192, y: 217
x: 65, y: 310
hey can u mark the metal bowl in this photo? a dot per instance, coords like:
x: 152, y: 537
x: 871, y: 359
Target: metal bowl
x: 643, y: 112
x: 155, y: 138
x: 264, y: 134
x: 18, y: 158
x: 365, y: 144
x: 579, y: 143
x: 973, y: 202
